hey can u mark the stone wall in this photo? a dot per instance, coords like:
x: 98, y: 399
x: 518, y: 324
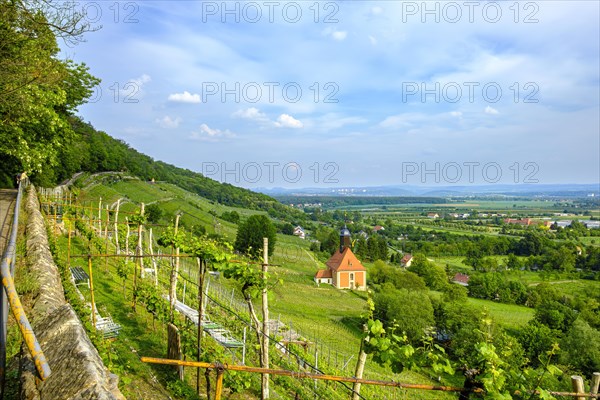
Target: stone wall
x: 77, y: 369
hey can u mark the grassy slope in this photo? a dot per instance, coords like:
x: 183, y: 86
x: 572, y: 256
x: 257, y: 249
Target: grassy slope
x: 321, y: 314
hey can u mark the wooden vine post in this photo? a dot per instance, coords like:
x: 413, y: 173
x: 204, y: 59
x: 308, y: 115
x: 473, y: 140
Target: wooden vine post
x: 139, y: 249
x: 201, y: 272
x: 127, y: 238
x: 100, y: 217
x: 579, y: 385
x: 106, y: 239
x: 116, y: 227
x: 360, y: 369
x: 174, y: 272
x: 69, y: 246
x: 265, y: 325
x: 92, y: 290
x: 150, y: 239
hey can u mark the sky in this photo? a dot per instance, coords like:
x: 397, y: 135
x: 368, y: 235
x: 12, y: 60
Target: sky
x: 351, y: 93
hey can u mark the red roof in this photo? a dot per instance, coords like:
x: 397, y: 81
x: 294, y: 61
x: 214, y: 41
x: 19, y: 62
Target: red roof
x: 323, y: 273
x: 407, y: 257
x: 344, y: 261
x: 461, y: 278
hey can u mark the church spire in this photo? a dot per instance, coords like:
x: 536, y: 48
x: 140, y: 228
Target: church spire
x: 344, y: 238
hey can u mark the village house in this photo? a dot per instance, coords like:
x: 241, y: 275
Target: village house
x: 378, y: 228
x: 344, y: 270
x: 461, y: 279
x: 406, y: 261
x: 298, y: 231
x: 433, y: 215
x: 522, y: 221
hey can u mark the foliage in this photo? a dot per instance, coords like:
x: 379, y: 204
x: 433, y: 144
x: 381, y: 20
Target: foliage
x: 231, y: 216
x: 381, y: 273
x: 249, y: 239
x: 153, y: 213
x: 434, y: 276
x: 493, y: 286
x: 581, y: 348
x: 407, y: 311
x: 37, y: 90
x: 397, y: 353
x: 536, y: 339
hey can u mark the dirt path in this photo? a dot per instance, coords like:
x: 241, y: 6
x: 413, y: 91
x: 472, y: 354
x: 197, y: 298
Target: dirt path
x: 7, y: 205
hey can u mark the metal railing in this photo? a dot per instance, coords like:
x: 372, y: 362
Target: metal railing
x: 9, y: 296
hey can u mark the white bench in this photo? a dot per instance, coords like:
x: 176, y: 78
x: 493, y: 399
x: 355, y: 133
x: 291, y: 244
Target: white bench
x: 80, y: 277
x: 107, y: 326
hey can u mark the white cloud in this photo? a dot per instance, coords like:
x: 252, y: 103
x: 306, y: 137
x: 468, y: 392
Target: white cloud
x: 251, y: 113
x: 132, y: 90
x: 456, y: 113
x: 376, y: 10
x: 185, y: 97
x: 141, y: 80
x: 208, y: 134
x: 168, y: 122
x: 373, y: 40
x: 491, y: 110
x: 287, y: 121
x: 339, y: 35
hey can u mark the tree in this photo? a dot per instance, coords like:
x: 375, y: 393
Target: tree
x: 537, y: 339
x: 381, y: 273
x: 153, y: 213
x: 434, y: 276
x: 37, y: 90
x: 249, y: 239
x: 231, y: 216
x: 581, y: 348
x: 411, y: 310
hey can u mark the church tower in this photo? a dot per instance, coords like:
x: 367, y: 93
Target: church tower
x: 344, y: 238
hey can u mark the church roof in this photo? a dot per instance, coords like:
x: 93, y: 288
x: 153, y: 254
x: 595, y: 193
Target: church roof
x: 323, y: 273
x: 344, y: 261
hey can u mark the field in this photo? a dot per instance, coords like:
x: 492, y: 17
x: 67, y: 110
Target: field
x: 328, y: 319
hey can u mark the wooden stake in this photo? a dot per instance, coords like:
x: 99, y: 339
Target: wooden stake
x: 201, y: 275
x: 150, y: 239
x: 92, y: 290
x: 139, y: 249
x: 595, y: 383
x: 360, y: 369
x: 106, y: 239
x: 117, y: 227
x: 219, y: 386
x: 265, y: 326
x: 69, y: 247
x: 174, y: 272
x: 577, y: 382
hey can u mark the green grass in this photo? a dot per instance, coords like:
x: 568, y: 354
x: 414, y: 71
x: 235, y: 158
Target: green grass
x: 323, y: 314
x: 507, y: 315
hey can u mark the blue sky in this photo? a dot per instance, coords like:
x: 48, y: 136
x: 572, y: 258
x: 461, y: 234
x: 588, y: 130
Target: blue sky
x: 352, y: 93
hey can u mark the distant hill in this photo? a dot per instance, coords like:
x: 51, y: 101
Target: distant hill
x: 515, y: 190
x: 95, y: 151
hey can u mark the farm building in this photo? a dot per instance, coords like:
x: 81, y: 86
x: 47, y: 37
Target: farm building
x: 406, y: 260
x: 298, y: 231
x: 461, y: 279
x: 344, y: 270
